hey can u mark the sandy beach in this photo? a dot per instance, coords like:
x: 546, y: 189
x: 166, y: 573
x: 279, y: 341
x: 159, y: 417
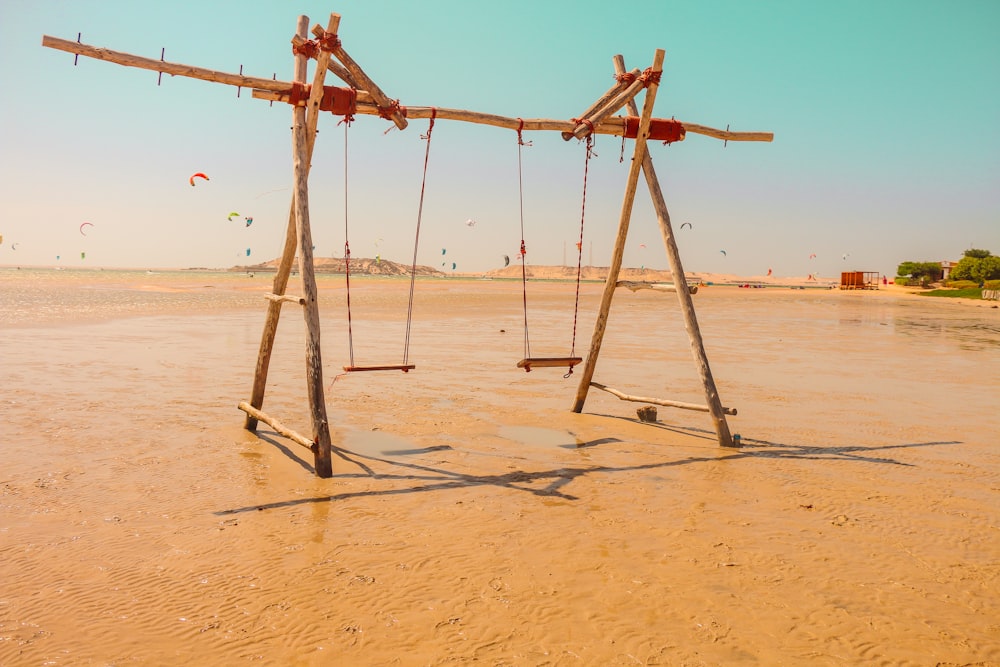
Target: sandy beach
x: 472, y: 517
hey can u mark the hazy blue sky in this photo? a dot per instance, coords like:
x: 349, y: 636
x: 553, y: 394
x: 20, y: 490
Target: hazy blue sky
x: 885, y: 114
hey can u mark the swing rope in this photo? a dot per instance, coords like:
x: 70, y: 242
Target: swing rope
x: 416, y: 240
x: 579, y: 244
x: 572, y: 359
x: 347, y: 247
x: 524, y: 251
x: 405, y: 366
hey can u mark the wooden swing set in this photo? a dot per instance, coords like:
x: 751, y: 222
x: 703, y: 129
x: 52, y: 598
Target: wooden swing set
x: 363, y: 96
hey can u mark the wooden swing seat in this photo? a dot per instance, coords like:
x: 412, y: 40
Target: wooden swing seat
x: 388, y: 367
x: 548, y: 362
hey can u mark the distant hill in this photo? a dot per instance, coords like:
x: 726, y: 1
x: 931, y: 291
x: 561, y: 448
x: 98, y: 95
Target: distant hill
x: 386, y: 267
x: 360, y: 266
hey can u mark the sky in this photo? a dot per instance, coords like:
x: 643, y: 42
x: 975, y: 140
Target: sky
x: 885, y: 119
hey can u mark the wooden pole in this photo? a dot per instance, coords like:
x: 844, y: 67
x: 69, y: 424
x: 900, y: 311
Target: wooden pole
x: 173, y: 69
x: 614, y: 125
x: 314, y: 361
x: 657, y: 401
x: 683, y: 295
x: 278, y: 427
x: 284, y: 268
x: 619, y: 248
x: 620, y: 85
x: 272, y: 90
x: 611, y: 106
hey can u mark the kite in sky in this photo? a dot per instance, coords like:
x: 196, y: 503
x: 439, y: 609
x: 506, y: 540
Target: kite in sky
x: 194, y: 176
x: 686, y: 223
x: 233, y: 214
x: 724, y: 252
x: 470, y: 223
x: 84, y: 225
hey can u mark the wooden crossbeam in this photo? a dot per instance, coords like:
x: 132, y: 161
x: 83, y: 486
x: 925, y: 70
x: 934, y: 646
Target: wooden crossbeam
x: 260, y: 415
x: 275, y: 90
x: 609, y: 107
x: 656, y: 287
x: 619, y: 86
x: 658, y: 401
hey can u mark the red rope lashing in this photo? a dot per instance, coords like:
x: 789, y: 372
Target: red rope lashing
x: 584, y: 121
x: 627, y: 78
x: 416, y: 240
x: 666, y: 130
x: 308, y: 48
x: 393, y: 107
x: 299, y: 94
x: 328, y: 42
x: 579, y: 247
x: 339, y: 101
x: 650, y: 77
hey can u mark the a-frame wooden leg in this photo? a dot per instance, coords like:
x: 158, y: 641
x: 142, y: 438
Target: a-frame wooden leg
x: 687, y: 304
x: 619, y: 248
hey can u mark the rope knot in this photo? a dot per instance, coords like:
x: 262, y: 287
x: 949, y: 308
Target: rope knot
x: 328, y: 42
x: 650, y: 77
x: 387, y: 112
x: 627, y: 78
x: 520, y: 137
x: 585, y: 121
x: 307, y: 48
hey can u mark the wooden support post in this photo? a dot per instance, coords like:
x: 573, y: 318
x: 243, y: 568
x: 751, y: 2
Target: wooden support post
x: 687, y: 304
x: 619, y: 86
x: 619, y: 249
x: 162, y: 66
x: 284, y: 268
x: 301, y: 132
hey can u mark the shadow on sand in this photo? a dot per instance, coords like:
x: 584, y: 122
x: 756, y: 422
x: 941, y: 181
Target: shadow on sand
x: 421, y: 478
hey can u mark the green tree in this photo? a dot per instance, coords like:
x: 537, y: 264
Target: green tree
x: 976, y: 253
x: 976, y: 269
x: 919, y: 270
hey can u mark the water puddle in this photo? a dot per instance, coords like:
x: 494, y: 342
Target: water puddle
x: 539, y: 436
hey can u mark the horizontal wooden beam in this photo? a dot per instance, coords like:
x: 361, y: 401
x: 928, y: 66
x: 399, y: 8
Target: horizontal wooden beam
x: 173, y: 69
x: 658, y: 401
x: 269, y: 89
x: 285, y: 297
x: 656, y: 287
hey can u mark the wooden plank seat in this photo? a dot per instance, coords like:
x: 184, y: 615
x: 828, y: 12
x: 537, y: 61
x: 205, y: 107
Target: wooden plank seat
x: 388, y: 367
x: 548, y: 362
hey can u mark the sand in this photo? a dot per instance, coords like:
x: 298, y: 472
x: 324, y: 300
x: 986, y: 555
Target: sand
x: 472, y: 517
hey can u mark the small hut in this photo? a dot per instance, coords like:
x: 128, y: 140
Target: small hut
x: 859, y: 279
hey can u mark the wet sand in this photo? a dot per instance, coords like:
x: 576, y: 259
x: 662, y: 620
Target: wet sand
x: 472, y: 517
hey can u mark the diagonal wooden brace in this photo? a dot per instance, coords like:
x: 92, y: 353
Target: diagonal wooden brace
x: 612, y: 92
x: 389, y: 107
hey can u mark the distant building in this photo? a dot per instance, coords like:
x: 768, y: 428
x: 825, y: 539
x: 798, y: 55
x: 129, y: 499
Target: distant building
x: 859, y: 280
x: 946, y: 268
